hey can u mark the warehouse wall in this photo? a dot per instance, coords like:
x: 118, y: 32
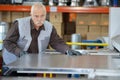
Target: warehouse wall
x: 89, y: 26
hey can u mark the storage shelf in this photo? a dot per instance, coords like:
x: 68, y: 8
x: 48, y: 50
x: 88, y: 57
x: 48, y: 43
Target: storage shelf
x: 84, y: 9
x: 14, y: 8
x: 64, y: 9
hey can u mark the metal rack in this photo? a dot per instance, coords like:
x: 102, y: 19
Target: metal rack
x: 64, y: 9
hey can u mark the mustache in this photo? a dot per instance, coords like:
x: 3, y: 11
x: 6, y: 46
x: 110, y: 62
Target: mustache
x: 38, y: 22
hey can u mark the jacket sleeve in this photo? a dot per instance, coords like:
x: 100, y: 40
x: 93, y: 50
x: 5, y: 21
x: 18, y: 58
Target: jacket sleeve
x: 57, y: 43
x: 10, y: 42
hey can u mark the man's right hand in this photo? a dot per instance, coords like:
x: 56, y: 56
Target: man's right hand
x: 23, y: 53
x: 73, y: 52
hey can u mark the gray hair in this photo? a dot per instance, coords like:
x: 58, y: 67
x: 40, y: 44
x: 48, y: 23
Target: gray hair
x: 40, y: 5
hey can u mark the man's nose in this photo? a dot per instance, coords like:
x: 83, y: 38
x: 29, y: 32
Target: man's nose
x: 39, y: 18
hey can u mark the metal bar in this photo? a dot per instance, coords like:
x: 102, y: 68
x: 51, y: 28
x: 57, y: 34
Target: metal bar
x: 24, y: 8
x: 87, y: 44
x: 103, y: 72
x: 58, y: 71
x: 1, y: 41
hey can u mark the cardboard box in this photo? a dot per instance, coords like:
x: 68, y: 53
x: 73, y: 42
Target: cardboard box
x: 6, y: 16
x: 104, y: 29
x: 81, y: 28
x: 82, y: 19
x: 94, y: 19
x: 95, y: 29
x: 104, y: 19
x: 25, y: 14
x: 16, y: 15
x: 59, y: 28
x: 55, y: 17
x: 104, y: 34
x: 93, y: 36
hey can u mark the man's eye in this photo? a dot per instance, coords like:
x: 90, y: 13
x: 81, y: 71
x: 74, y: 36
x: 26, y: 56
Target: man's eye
x: 42, y: 16
x: 35, y: 16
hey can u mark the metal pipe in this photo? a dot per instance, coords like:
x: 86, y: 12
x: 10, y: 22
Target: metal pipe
x: 87, y: 44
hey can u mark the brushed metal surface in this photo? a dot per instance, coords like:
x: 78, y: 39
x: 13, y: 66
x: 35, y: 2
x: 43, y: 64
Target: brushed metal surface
x: 38, y: 78
x: 37, y: 61
x: 64, y: 64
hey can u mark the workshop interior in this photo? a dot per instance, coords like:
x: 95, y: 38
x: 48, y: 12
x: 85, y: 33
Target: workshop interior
x: 91, y: 27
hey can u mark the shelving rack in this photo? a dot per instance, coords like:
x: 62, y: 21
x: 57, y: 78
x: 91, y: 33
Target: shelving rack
x: 64, y: 9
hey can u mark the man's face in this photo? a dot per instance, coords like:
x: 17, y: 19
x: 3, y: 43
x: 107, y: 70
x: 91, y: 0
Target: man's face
x: 38, y: 16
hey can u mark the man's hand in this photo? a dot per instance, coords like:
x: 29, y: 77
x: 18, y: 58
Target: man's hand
x: 73, y: 52
x: 23, y: 53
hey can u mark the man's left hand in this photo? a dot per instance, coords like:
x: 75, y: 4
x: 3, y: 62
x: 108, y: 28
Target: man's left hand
x: 73, y: 53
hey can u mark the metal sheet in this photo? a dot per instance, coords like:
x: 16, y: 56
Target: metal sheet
x: 38, y: 78
x: 114, y: 18
x: 47, y: 61
x: 63, y: 64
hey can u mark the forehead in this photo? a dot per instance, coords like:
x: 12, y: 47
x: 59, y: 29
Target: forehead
x: 38, y: 11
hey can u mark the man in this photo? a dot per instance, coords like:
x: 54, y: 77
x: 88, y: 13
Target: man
x: 32, y: 35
